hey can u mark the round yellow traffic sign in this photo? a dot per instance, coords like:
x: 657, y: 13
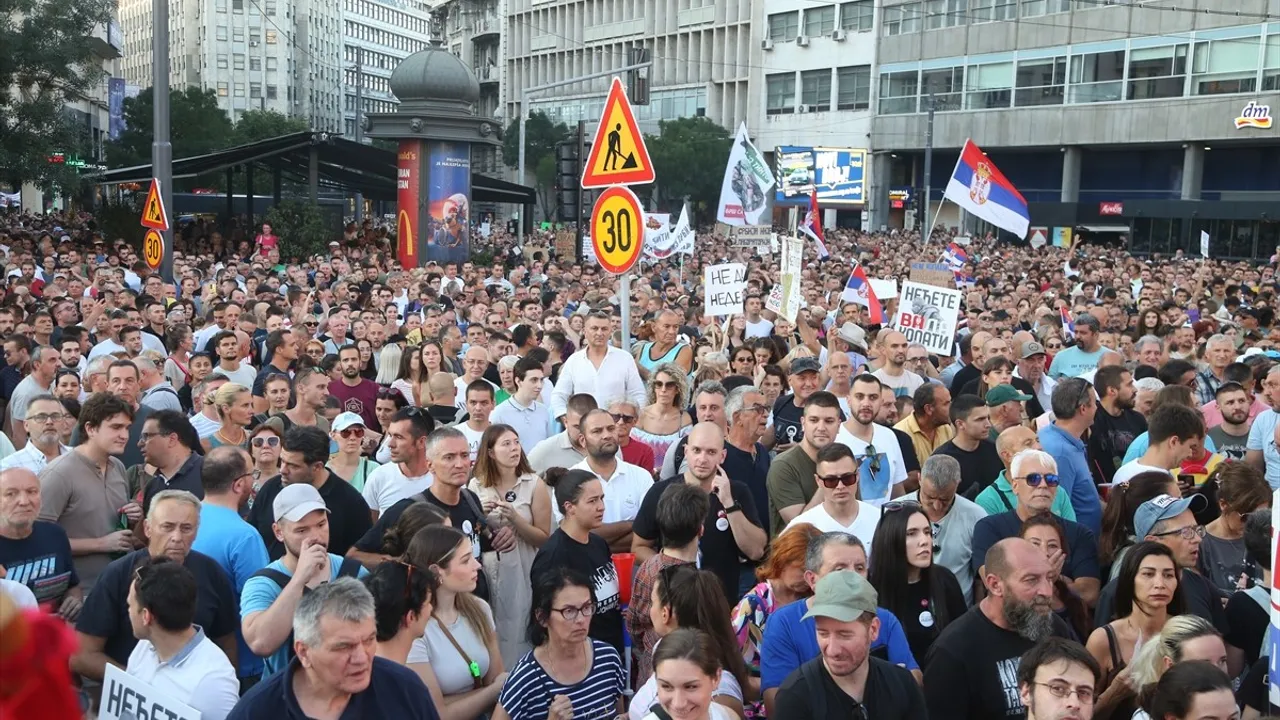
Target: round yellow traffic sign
x: 153, y: 249
x: 617, y: 229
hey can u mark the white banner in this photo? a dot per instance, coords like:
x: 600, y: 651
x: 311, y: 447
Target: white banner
x: 784, y: 297
x: 657, y: 236
x: 885, y: 290
x: 928, y: 314
x: 725, y: 285
x: 125, y: 697
x: 1204, y: 244
x: 747, y: 181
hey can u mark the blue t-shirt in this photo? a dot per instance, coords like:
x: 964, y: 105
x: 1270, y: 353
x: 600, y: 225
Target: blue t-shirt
x: 789, y: 642
x: 1073, y: 361
x: 260, y: 592
x: 394, y: 692
x: 1262, y: 437
x: 237, y: 547
x: 42, y: 562
x: 1074, y: 475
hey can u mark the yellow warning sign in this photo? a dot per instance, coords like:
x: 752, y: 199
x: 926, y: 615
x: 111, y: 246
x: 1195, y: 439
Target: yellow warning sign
x: 618, y: 155
x: 153, y: 212
x: 153, y: 249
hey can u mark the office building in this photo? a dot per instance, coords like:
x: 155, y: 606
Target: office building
x: 473, y: 31
x: 376, y: 36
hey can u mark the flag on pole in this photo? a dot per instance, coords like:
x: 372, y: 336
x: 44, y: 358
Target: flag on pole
x: 977, y: 186
x: 955, y: 257
x: 1068, y: 326
x: 747, y: 180
x: 812, y: 226
x: 858, y: 290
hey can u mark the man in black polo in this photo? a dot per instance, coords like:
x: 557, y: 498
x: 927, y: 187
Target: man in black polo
x: 165, y: 438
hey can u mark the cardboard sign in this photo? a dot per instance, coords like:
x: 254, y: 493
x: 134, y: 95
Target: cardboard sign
x: 784, y: 297
x: 928, y: 315
x: 725, y: 285
x: 125, y: 697
x: 564, y: 245
x: 936, y: 274
x: 751, y: 235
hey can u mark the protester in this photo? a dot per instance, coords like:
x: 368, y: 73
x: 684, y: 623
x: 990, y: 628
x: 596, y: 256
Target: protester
x: 1147, y: 595
x: 36, y: 553
x: 403, y: 602
x: 1058, y: 679
x: 1192, y: 689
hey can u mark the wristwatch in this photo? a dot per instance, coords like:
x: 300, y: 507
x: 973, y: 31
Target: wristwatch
x: 732, y: 509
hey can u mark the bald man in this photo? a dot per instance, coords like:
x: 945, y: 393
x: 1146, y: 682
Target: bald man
x: 733, y: 529
x: 973, y: 370
x: 998, y: 497
x: 36, y: 553
x: 893, y: 353
x: 474, y: 365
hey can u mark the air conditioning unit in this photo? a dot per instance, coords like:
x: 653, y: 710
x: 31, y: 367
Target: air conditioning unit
x: 253, y: 43
x: 802, y: 41
x: 766, y: 44
x: 806, y: 108
x: 838, y: 36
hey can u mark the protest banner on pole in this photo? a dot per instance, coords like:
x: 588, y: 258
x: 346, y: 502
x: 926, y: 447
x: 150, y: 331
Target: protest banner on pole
x: 725, y: 284
x: 928, y: 315
x: 784, y: 297
x: 931, y: 273
x: 125, y: 697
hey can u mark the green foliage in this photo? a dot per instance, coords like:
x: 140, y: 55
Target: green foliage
x: 120, y: 220
x: 196, y: 126
x: 303, y: 228
x: 545, y: 175
x: 46, y: 59
x: 689, y: 156
x: 256, y: 125
x: 541, y: 137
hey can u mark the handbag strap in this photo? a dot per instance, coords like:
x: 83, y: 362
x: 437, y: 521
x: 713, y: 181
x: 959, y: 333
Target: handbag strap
x: 477, y: 677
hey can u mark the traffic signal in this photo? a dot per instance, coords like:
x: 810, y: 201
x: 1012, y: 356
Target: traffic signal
x: 568, y: 174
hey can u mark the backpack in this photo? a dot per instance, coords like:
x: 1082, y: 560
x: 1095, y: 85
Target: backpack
x: 350, y: 567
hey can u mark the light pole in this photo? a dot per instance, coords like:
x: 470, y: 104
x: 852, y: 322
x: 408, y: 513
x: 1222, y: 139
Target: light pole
x: 161, y: 150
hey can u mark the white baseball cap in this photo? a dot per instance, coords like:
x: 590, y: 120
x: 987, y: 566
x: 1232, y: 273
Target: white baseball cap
x: 296, y: 501
x: 346, y: 420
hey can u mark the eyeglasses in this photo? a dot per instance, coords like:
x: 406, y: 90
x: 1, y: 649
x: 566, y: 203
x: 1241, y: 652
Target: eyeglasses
x: 55, y: 417
x: 1034, y: 479
x: 845, y: 479
x: 572, y: 613
x: 1186, y: 532
x: 664, y: 384
x: 1063, y: 690
x: 623, y: 418
x: 270, y: 441
x: 354, y: 431
x: 759, y: 407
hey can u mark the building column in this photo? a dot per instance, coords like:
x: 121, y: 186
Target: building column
x: 1192, y: 171
x: 876, y: 192
x: 1071, y: 160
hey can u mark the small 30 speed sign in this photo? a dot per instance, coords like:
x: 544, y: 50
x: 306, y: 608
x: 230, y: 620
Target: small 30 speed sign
x: 617, y: 229
x: 153, y: 249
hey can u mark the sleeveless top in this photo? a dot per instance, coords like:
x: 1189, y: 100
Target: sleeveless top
x: 649, y: 364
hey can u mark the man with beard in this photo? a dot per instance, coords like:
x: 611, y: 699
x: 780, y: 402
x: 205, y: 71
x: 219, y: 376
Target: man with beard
x: 971, y: 669
x: 355, y: 394
x: 227, y: 478
x: 1116, y: 423
x: 1231, y: 436
x: 1058, y: 680
x: 893, y: 348
x: 625, y: 484
x: 845, y: 679
x: 792, y: 481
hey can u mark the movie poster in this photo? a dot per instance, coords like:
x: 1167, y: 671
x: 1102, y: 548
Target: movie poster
x: 408, y: 203
x: 449, y: 202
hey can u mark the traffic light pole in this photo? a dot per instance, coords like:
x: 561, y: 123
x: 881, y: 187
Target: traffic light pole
x: 161, y: 150
x: 579, y: 213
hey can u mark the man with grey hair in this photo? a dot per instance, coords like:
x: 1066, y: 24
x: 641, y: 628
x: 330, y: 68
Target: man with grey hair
x: 1145, y: 394
x: 1149, y: 350
x: 44, y: 367
x: 746, y: 459
x: 1075, y: 403
x: 337, y: 671
x: 1034, y: 479
x: 953, y: 516
x: 1219, y: 352
x: 103, y: 629
x: 1084, y: 355
x: 708, y: 406
x: 157, y: 393
x: 45, y: 415
x: 625, y: 412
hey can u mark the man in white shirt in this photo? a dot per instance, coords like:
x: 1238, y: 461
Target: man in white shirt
x: 1174, y: 434
x: 205, y: 419
x: 893, y: 348
x: 625, y: 484
x: 227, y: 347
x: 523, y: 411
x: 479, y: 408
x: 599, y: 370
x: 840, y: 509
x: 881, y: 466
x: 757, y: 326
x: 409, y: 471
x: 172, y: 654
x: 953, y: 517
x: 474, y: 364
x: 45, y: 415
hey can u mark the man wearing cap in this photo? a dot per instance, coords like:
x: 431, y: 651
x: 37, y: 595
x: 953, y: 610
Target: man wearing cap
x: 788, y: 410
x: 270, y: 597
x: 1006, y: 406
x: 1030, y: 378
x: 845, y: 680
x: 1171, y: 522
x: 1116, y: 423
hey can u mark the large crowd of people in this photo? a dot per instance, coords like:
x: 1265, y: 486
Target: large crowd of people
x: 333, y: 486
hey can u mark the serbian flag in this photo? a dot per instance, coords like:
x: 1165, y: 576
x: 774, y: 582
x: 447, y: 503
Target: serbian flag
x: 858, y: 290
x: 1068, y: 326
x: 812, y: 226
x: 982, y: 190
x: 955, y: 257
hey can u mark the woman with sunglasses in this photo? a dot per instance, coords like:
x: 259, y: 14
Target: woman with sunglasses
x: 664, y: 421
x: 457, y: 656
x: 567, y: 674
x: 1045, y: 532
x: 1148, y: 593
x: 264, y: 448
x: 924, y: 595
x: 314, y: 352
x: 403, y: 603
x: 349, y: 463
x: 511, y: 494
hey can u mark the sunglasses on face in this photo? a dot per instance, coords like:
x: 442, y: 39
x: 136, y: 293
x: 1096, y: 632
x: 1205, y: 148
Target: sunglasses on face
x: 664, y: 384
x: 831, y: 481
x: 1034, y: 479
x: 623, y: 418
x: 270, y: 441
x: 352, y: 432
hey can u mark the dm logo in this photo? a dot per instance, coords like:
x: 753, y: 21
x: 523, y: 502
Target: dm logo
x: 980, y: 184
x: 1254, y: 116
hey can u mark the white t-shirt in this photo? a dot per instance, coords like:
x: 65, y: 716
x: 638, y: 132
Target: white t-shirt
x: 759, y: 328
x: 863, y: 526
x: 451, y: 669
x: 204, y: 426
x: 244, y: 375
x: 1125, y: 472
x: 473, y: 438
x: 460, y: 397
x: 876, y: 481
x: 389, y: 485
x: 905, y: 384
x: 623, y: 492
x: 20, y: 594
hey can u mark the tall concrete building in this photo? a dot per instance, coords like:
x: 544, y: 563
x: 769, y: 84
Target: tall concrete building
x: 1142, y: 122
x: 376, y: 36
x: 473, y: 31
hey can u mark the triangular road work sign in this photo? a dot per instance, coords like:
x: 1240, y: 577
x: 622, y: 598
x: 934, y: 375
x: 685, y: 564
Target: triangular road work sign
x: 618, y: 155
x: 154, y: 215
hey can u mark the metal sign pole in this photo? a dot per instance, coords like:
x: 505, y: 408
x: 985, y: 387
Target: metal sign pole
x: 624, y: 299
x: 161, y: 150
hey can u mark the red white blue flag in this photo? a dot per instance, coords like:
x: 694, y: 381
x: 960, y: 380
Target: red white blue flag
x: 982, y: 190
x: 1068, y: 326
x: 812, y: 226
x: 858, y: 290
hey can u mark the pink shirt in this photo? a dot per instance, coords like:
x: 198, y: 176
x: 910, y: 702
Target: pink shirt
x: 1213, y: 416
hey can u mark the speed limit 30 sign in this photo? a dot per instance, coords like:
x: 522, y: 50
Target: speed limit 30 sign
x: 617, y: 229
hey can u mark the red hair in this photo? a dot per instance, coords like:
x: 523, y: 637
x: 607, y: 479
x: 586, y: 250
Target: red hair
x: 788, y: 549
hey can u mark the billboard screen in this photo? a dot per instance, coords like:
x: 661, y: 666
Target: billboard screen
x: 838, y: 173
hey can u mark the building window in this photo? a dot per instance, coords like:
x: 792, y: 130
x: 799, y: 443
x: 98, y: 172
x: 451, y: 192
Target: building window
x: 898, y: 92
x: 271, y: 37
x: 237, y: 6
x: 1158, y: 72
x: 255, y: 90
x: 784, y: 26
x: 857, y: 16
x: 221, y: 32
x: 820, y: 21
x: 269, y: 7
x: 237, y: 34
x: 237, y: 61
x: 1271, y: 65
x: 1097, y: 77
x: 781, y: 94
x: 1041, y: 82
x: 222, y: 89
x: 1224, y: 66
x: 271, y: 92
x: 853, y: 88
x: 221, y: 6
x: 911, y: 16
x: 990, y: 86
x: 1006, y: 10
x: 1033, y: 8
x: 239, y: 90
x: 980, y: 11
x: 222, y: 62
x: 947, y: 86
x: 815, y: 90
x: 255, y: 63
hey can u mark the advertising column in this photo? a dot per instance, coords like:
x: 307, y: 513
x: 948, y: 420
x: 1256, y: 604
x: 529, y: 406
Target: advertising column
x: 449, y: 202
x: 409, y: 203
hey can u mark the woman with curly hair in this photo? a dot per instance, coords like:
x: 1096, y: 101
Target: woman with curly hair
x: 664, y: 419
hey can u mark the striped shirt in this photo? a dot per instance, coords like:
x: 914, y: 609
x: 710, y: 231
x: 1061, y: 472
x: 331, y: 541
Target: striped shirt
x: 529, y: 689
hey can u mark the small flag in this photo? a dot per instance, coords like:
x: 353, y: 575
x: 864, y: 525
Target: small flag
x: 1068, y: 327
x: 858, y: 290
x: 812, y: 226
x: 955, y: 257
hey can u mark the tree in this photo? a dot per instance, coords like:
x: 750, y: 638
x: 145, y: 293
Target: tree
x: 545, y: 175
x: 303, y: 228
x: 256, y: 125
x: 689, y: 156
x: 541, y: 137
x: 197, y: 126
x: 45, y: 60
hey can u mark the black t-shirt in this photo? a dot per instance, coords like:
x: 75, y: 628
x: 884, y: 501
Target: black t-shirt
x: 1109, y: 439
x: 106, y: 610
x: 595, y: 561
x: 1034, y: 408
x: 260, y: 381
x: 786, y: 420
x: 964, y: 376
x: 908, y: 449
x: 466, y: 516
x: 752, y: 472
x: 978, y: 468
x: 444, y: 414
x: 719, y: 549
x: 891, y: 693
x: 971, y: 671
x: 348, y: 514
x: 1247, y: 622
x: 186, y: 478
x: 920, y: 620
x: 1254, y: 690
x: 42, y: 562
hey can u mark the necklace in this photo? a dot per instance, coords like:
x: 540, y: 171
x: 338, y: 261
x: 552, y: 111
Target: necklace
x: 228, y: 440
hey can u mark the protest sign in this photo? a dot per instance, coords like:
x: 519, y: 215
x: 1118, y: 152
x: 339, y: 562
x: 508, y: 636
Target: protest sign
x: 938, y: 274
x: 125, y: 697
x: 657, y: 235
x: 564, y: 245
x: 928, y: 315
x: 885, y: 290
x: 725, y: 285
x: 784, y: 297
x: 751, y: 235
